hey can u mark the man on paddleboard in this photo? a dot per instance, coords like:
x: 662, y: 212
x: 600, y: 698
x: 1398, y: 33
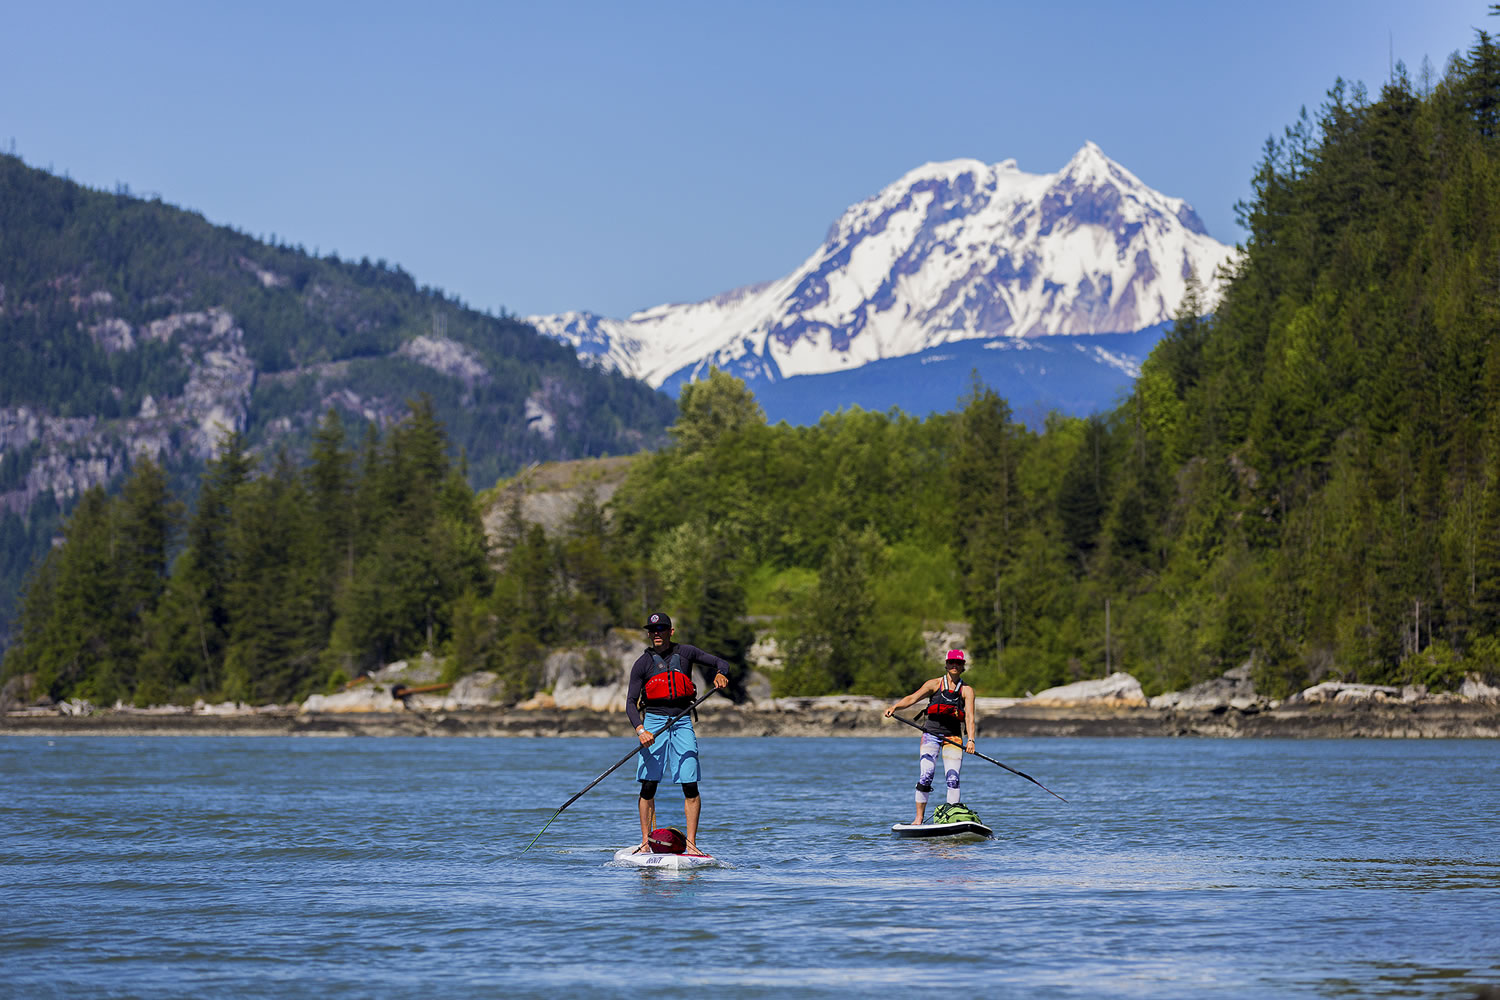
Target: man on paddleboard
x: 949, y: 712
x: 661, y: 684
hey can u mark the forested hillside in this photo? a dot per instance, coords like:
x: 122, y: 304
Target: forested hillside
x: 130, y: 327
x: 1309, y: 480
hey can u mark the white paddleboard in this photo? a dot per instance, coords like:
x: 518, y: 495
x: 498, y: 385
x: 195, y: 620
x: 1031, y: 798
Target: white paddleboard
x: 971, y: 831
x: 627, y: 855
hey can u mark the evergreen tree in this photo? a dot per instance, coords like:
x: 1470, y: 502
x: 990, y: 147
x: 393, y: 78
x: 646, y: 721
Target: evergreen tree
x: 202, y: 577
x: 524, y: 602
x: 988, y: 512
x: 710, y: 409
x: 330, y: 488
x: 1083, y: 495
x: 595, y: 581
x: 842, y: 639
x: 147, y: 521
x: 278, y: 623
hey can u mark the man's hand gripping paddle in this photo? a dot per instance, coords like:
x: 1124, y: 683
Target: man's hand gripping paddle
x: 622, y: 760
x: 959, y: 743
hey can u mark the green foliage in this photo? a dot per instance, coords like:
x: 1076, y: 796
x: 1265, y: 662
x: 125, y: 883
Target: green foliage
x: 919, y: 578
x: 85, y: 616
x: 772, y: 592
x: 420, y: 548
x: 989, y: 517
x: 1438, y: 668
x: 711, y: 409
x: 845, y: 638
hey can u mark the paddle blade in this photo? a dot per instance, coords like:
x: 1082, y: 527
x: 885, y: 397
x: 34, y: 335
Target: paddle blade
x: 543, y: 829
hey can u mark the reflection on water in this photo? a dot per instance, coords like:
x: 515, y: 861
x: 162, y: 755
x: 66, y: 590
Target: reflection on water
x: 253, y: 867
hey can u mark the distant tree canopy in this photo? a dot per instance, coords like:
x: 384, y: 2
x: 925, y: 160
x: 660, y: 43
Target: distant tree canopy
x: 1308, y: 481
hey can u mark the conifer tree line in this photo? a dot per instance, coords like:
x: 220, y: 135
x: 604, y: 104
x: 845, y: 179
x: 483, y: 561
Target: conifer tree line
x: 1307, y: 480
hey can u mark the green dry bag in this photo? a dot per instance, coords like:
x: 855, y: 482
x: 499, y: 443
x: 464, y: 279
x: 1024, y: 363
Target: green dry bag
x: 954, y: 812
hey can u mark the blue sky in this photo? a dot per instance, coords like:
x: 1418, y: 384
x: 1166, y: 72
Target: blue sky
x: 540, y: 157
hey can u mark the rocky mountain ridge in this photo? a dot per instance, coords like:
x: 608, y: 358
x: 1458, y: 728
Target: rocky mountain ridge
x: 950, y: 253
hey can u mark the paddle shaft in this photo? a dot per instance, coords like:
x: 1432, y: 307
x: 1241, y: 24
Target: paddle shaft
x: 622, y: 760
x: 959, y: 743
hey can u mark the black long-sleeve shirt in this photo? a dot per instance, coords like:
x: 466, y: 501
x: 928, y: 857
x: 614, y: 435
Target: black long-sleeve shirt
x: 642, y: 669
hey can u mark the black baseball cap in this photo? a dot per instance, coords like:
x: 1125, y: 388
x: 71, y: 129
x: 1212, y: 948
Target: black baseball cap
x: 659, y: 623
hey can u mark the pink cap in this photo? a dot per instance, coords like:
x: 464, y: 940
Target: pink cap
x: 956, y: 654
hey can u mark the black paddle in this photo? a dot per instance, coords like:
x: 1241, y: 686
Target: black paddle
x: 622, y: 760
x: 959, y: 743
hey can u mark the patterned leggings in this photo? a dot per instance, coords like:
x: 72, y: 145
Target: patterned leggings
x: 953, y: 761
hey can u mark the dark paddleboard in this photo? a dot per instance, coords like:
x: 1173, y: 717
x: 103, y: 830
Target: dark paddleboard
x: 968, y: 831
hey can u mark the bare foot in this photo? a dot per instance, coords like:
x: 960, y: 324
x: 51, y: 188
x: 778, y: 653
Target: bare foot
x: 691, y: 848
x: 643, y: 849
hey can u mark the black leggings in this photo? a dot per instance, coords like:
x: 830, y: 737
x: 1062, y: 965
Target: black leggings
x: 648, y: 790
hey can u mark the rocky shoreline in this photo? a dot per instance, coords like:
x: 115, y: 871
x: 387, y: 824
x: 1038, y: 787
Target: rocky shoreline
x: 408, y: 699
x: 830, y: 717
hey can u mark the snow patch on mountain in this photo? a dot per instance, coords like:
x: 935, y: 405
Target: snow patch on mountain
x: 953, y: 251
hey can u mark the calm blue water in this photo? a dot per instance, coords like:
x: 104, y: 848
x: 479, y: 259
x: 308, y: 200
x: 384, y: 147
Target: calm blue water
x: 252, y: 867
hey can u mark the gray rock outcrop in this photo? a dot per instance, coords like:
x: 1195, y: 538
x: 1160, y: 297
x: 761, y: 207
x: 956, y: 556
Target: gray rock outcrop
x: 1345, y: 693
x: 1233, y: 690
x: 75, y: 454
x: 1475, y: 689
x: 364, y: 698
x: 1119, y: 690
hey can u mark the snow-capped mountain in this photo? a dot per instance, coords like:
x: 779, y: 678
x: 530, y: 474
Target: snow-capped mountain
x: 952, y: 252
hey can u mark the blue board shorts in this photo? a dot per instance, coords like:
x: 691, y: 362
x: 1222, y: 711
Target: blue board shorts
x: 672, y: 756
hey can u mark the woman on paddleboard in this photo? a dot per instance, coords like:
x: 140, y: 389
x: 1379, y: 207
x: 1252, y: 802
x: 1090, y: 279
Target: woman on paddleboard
x: 661, y: 684
x: 949, y: 712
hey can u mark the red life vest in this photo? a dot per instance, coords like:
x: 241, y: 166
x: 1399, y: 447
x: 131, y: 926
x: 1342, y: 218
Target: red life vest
x: 945, y: 707
x: 668, y: 685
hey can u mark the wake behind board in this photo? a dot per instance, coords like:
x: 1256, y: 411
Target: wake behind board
x: 628, y: 856
x: 966, y: 831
